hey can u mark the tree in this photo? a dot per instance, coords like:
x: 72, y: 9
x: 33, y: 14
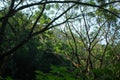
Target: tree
x: 23, y: 20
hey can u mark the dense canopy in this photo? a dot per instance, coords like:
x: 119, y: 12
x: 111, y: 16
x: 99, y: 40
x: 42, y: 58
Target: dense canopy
x: 59, y: 40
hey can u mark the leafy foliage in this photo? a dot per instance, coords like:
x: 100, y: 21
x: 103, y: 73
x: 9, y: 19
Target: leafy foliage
x: 59, y: 40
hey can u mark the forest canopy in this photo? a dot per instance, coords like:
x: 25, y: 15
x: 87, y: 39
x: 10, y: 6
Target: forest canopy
x: 60, y: 39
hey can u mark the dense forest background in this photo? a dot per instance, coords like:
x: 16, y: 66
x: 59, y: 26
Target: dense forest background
x: 59, y: 40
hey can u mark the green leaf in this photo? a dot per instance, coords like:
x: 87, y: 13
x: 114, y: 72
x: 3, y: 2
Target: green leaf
x: 8, y: 78
x: 48, y: 7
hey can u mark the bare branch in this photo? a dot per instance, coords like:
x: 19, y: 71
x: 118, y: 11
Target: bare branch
x: 47, y: 26
x: 41, y: 13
